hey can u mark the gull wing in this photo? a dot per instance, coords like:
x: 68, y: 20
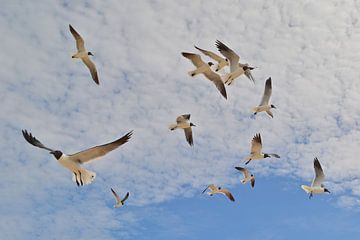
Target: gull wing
x: 216, y: 79
x: 211, y: 54
x: 188, y: 135
x: 256, y: 144
x: 194, y: 58
x: 319, y: 174
x: 227, y: 193
x: 33, y: 141
x: 99, y: 151
x: 183, y: 118
x: 244, y: 171
x: 126, y: 197
x: 212, y: 187
x: 79, y: 40
x: 116, y: 196
x: 267, y: 93
x: 92, y: 69
x: 229, y: 54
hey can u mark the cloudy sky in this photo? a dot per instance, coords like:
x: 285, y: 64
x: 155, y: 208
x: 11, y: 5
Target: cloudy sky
x: 310, y: 49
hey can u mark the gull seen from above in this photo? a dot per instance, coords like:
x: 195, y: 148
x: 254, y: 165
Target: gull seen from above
x: 264, y: 105
x: 248, y: 177
x: 205, y: 69
x: 73, y: 162
x: 119, y: 202
x: 256, y: 153
x: 218, y: 190
x: 183, y: 122
x: 84, y: 55
x: 316, y: 185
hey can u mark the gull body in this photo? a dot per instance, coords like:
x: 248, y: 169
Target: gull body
x: 83, y: 54
x: 218, y: 190
x: 183, y: 122
x: 248, y: 177
x: 73, y: 162
x: 316, y: 186
x: 119, y: 202
x: 256, y: 150
x: 264, y: 105
x: 204, y: 68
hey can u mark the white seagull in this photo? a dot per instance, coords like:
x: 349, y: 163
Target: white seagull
x: 222, y: 62
x: 183, y: 122
x: 264, y: 105
x: 236, y: 69
x: 84, y: 55
x: 218, y: 190
x: 204, y: 68
x: 119, y: 202
x: 247, y: 176
x: 256, y: 153
x: 316, y: 185
x: 73, y: 162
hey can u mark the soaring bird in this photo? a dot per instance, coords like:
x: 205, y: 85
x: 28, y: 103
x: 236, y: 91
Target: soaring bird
x: 222, y: 62
x: 84, y: 55
x: 256, y: 153
x: 204, y: 68
x: 218, y: 190
x: 264, y: 105
x: 316, y: 185
x: 73, y: 162
x: 119, y: 202
x: 236, y: 69
x: 183, y: 122
x: 248, y: 177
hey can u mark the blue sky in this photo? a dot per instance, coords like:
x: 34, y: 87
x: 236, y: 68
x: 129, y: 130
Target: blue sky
x: 309, y: 49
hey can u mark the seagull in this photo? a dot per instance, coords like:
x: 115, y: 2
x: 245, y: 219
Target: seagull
x: 119, y: 202
x: 183, y: 122
x: 222, y: 62
x: 247, y: 176
x: 218, y: 190
x: 316, y: 185
x: 73, y: 162
x: 236, y: 69
x: 264, y: 105
x: 204, y: 68
x: 84, y: 55
x: 256, y: 153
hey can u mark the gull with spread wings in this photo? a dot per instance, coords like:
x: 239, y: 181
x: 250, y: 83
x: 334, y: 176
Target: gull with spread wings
x: 183, y: 122
x: 264, y: 105
x: 119, y: 202
x: 204, y: 68
x: 84, y: 55
x: 73, y: 162
x: 218, y: 190
x: 248, y: 177
x: 316, y: 185
x: 256, y: 153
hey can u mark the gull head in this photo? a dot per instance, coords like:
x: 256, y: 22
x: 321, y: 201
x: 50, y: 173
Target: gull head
x: 57, y: 154
x: 326, y: 190
x: 89, y: 53
x: 192, y: 125
x: 272, y: 106
x: 210, y: 64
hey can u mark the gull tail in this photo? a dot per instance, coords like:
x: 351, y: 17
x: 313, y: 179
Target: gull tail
x: 83, y: 176
x: 305, y: 188
x: 172, y: 126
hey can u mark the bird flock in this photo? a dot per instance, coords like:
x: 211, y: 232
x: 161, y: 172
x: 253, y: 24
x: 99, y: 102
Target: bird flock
x: 75, y: 162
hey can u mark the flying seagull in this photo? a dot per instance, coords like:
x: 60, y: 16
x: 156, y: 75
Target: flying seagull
x: 73, y: 162
x: 183, y: 122
x: 236, y: 69
x: 247, y: 176
x: 119, y: 202
x: 264, y: 105
x: 222, y: 62
x: 204, y: 68
x: 316, y: 185
x: 84, y: 55
x: 218, y: 190
x: 256, y: 153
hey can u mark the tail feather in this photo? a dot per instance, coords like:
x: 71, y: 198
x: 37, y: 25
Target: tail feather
x: 83, y: 177
x: 305, y: 188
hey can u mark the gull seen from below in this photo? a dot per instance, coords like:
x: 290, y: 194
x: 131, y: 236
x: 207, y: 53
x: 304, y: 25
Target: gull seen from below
x: 316, y: 185
x: 119, y: 202
x: 264, y: 105
x: 205, y: 69
x: 218, y: 190
x: 247, y: 176
x: 73, y: 162
x: 222, y: 62
x: 256, y: 153
x: 84, y: 55
x: 183, y: 122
